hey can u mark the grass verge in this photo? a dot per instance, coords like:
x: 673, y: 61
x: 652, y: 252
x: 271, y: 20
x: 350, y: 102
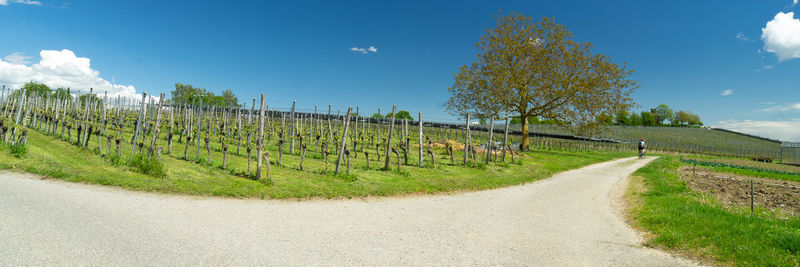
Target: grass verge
x: 687, y: 222
x: 52, y: 157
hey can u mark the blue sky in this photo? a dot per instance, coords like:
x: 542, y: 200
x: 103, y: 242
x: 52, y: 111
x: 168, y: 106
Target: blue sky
x: 686, y: 53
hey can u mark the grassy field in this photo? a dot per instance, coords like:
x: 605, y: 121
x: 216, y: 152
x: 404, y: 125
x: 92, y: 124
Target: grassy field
x: 696, y: 224
x: 54, y: 157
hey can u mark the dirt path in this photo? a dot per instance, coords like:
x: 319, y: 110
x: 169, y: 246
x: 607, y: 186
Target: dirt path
x: 565, y: 220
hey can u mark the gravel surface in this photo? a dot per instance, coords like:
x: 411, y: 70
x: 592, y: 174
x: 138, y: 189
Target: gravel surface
x: 571, y: 219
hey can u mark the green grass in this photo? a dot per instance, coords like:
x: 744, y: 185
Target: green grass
x: 54, y: 157
x: 756, y: 173
x: 694, y: 223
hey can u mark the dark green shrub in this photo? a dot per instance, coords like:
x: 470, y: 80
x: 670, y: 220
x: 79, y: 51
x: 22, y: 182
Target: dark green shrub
x: 152, y: 166
x: 18, y: 150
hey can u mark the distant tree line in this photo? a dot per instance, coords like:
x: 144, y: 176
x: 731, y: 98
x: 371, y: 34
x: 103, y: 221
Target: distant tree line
x: 662, y: 115
x: 186, y: 93
x: 40, y: 89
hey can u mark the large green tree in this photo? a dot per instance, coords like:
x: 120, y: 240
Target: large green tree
x: 664, y: 112
x: 529, y: 68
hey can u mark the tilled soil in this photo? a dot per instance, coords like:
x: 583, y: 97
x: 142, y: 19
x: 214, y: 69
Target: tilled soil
x: 735, y: 189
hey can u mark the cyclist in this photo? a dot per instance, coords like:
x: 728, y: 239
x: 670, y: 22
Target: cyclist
x: 641, y: 147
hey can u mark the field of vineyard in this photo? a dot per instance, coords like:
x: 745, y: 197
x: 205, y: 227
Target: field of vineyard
x: 200, y: 149
x: 678, y: 139
x: 334, y: 154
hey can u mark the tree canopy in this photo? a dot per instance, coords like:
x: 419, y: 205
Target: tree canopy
x: 400, y: 115
x: 187, y: 94
x: 529, y: 68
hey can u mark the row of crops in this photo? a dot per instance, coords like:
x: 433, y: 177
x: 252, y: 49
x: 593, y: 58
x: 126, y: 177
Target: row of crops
x: 131, y: 131
x: 679, y: 139
x: 126, y: 129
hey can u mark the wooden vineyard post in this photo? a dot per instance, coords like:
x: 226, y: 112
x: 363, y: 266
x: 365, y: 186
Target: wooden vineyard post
x: 260, y: 139
x: 156, y: 126
x: 344, y: 141
x: 3, y: 100
x: 490, y: 144
x: 138, y: 126
x: 199, y: 127
x: 105, y: 99
x: 751, y: 198
x: 466, y: 140
x: 505, y: 141
x: 291, y: 129
x: 389, y: 141
x: 329, y: 135
x: 239, y: 129
x: 171, y: 124
x: 20, y: 105
x: 420, y: 140
x: 85, y: 120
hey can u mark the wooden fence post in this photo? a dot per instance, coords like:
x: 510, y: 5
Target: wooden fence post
x: 344, y: 141
x: 466, y: 140
x: 138, y: 126
x: 260, y: 139
x: 489, y: 143
x: 156, y: 126
x: 420, y: 140
x: 199, y: 127
x: 291, y: 129
x: 389, y: 141
x: 505, y: 140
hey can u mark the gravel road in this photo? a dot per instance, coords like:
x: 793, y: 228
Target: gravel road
x: 571, y: 219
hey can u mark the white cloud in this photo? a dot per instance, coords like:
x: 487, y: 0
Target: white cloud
x: 370, y: 49
x: 794, y: 3
x: 17, y: 58
x: 742, y: 37
x: 60, y: 69
x: 782, y: 108
x: 781, y: 130
x: 25, y: 2
x: 767, y: 67
x: 782, y: 36
x: 727, y: 92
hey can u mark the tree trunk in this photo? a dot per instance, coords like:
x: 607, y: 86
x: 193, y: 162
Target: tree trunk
x: 208, y: 149
x: 224, y: 156
x: 186, y: 150
x: 269, y: 169
x: 249, y: 158
x: 525, y: 135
